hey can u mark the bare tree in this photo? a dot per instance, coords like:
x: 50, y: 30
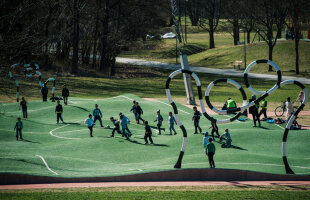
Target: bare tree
x: 211, y: 10
x: 270, y: 15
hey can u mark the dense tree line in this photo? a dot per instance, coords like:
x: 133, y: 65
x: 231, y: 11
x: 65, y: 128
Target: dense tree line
x: 94, y: 32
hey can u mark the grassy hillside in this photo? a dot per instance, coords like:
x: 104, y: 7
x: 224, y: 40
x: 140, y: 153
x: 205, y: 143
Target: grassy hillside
x: 226, y: 53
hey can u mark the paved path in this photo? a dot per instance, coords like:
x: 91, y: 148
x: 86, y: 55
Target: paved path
x: 155, y: 184
x: 226, y: 72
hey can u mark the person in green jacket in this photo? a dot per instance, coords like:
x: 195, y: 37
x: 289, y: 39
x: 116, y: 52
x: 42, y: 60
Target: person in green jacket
x: 210, y: 151
x: 264, y: 109
x: 231, y: 104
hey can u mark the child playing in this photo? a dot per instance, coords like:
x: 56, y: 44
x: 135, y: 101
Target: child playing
x: 171, y: 122
x: 206, y: 140
x: 65, y: 94
x: 139, y: 113
x: 97, y: 115
x: 23, y: 104
x: 116, y: 126
x: 289, y: 109
x: 159, y: 119
x: 226, y: 136
x: 214, y: 129
x: 124, y: 122
x: 148, y: 133
x: 210, y: 151
x: 90, y: 124
x: 18, y: 127
x: 58, y: 111
x: 196, y: 119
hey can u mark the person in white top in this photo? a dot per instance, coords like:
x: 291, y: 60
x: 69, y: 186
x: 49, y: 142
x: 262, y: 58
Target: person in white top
x: 300, y: 97
x: 289, y: 108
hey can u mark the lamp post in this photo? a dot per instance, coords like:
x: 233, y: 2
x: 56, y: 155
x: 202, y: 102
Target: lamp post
x: 241, y: 30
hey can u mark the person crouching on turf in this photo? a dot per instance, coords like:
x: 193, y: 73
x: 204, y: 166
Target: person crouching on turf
x: 58, y: 111
x: 148, y: 133
x: 210, y: 151
x: 65, y: 94
x: 19, y: 127
x: 159, y: 119
x: 171, y: 122
x: 226, y: 136
x: 90, y: 124
x: 97, y: 115
x: 196, y: 119
x: 23, y: 104
x: 124, y: 123
x: 116, y: 126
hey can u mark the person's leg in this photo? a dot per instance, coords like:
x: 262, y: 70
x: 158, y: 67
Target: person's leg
x: 170, y: 128
x: 114, y: 129
x: 228, y: 143
x: 158, y: 127
x: 20, y: 134
x: 209, y: 158
x: 257, y: 118
x: 99, y: 118
x: 217, y: 132
x: 212, y: 133
x: 26, y: 113
x: 140, y: 118
x: 145, y: 139
x: 196, y: 126
x: 265, y: 113
x: 118, y: 130
x: 212, y: 159
x: 16, y: 134
x: 61, y: 118
x: 95, y: 119
x: 254, y: 120
x: 57, y: 117
x: 174, y: 130
x: 150, y: 138
x: 137, y: 117
x: 128, y: 129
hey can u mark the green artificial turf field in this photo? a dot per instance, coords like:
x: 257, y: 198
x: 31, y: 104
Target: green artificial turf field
x: 68, y: 150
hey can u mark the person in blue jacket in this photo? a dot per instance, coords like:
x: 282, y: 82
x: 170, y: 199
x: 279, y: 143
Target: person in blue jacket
x: 171, y: 122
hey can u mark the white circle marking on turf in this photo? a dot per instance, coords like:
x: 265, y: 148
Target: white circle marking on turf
x: 51, y: 132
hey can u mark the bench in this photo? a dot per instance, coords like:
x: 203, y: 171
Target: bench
x: 237, y: 63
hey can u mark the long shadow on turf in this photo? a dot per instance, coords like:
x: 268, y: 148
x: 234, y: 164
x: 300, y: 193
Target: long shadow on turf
x: 232, y: 146
x: 84, y: 109
x: 137, y: 142
x: 31, y: 141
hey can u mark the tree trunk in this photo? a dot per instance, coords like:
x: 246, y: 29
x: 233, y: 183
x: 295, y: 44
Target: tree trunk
x: 248, y: 35
x: 75, y: 56
x: 236, y: 31
x: 211, y: 34
x: 270, y: 56
x: 297, y: 55
x: 104, y: 38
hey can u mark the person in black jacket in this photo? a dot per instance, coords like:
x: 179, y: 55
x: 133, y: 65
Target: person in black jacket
x: 214, y: 129
x: 65, y: 94
x: 254, y: 111
x: 148, y: 133
x: 196, y: 118
x: 44, y: 91
x: 139, y: 113
x: 58, y: 111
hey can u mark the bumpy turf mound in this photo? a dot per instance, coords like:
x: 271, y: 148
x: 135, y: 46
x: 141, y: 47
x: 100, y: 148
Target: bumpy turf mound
x: 68, y: 151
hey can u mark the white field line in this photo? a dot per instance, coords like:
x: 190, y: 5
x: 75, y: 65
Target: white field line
x: 51, y: 132
x: 279, y: 126
x: 47, y: 165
